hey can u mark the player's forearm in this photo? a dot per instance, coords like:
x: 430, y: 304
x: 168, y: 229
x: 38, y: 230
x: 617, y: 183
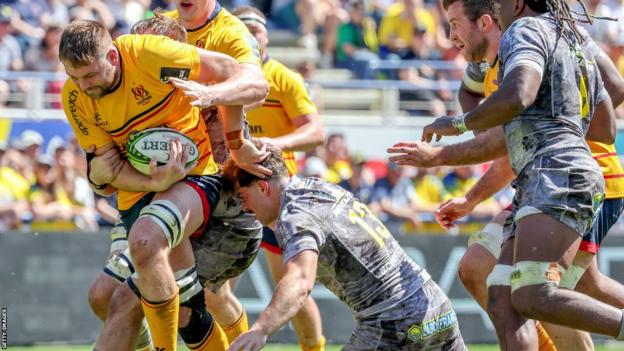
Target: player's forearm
x: 496, y: 178
x: 290, y: 295
x: 304, y: 138
x: 486, y: 146
x: 129, y: 179
x: 247, y: 86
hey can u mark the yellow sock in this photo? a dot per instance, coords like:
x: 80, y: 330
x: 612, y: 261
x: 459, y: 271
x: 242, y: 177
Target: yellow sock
x: 240, y: 326
x: 162, y: 319
x: 215, y: 341
x: 318, y: 347
x: 543, y: 339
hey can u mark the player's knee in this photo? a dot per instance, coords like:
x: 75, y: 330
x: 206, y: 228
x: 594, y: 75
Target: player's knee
x: 100, y: 294
x: 145, y: 242
x: 472, y: 272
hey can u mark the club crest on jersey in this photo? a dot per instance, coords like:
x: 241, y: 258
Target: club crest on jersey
x: 141, y: 95
x: 200, y: 43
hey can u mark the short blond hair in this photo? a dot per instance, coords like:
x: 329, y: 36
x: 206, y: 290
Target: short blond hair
x: 83, y: 42
x: 160, y: 25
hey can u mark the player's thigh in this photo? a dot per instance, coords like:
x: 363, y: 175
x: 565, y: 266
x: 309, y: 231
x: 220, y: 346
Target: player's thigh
x: 188, y: 202
x: 542, y: 238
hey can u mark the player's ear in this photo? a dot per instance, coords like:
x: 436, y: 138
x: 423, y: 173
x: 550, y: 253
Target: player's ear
x: 485, y: 22
x: 113, y: 56
x: 518, y: 7
x: 265, y: 187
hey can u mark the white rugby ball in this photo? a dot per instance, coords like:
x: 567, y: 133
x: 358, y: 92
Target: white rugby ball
x: 153, y: 143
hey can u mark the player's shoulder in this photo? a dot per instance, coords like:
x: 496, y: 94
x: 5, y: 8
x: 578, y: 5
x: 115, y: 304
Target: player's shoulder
x: 280, y: 74
x: 229, y: 23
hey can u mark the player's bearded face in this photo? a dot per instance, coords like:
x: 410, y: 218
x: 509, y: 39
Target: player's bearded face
x: 95, y: 79
x: 465, y: 34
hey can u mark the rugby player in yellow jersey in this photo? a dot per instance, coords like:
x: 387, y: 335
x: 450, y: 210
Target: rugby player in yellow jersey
x: 211, y: 27
x: 109, y: 95
x: 484, y: 247
x: 289, y: 120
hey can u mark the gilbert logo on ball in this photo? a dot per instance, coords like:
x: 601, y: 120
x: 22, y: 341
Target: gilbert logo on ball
x: 153, y: 143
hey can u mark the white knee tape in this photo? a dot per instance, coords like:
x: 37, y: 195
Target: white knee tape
x: 188, y: 283
x: 119, y: 238
x: 168, y: 217
x: 500, y: 276
x: 119, y: 266
x: 491, y: 238
x: 571, y: 277
x: 527, y: 273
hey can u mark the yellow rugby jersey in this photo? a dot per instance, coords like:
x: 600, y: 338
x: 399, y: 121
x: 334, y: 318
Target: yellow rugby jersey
x: 141, y: 100
x: 288, y: 98
x: 490, y: 84
x: 224, y: 33
x: 611, y: 168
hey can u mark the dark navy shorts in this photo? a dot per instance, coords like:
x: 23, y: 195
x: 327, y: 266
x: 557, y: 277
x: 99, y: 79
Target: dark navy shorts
x: 269, y: 241
x: 605, y: 218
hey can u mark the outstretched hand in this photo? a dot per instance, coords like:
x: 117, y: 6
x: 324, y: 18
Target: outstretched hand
x: 199, y: 94
x: 417, y: 154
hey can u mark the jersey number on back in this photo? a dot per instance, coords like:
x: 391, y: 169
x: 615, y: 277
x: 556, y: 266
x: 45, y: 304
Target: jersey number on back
x: 362, y: 216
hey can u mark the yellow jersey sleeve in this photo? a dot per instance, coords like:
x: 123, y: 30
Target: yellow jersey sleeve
x: 161, y: 57
x: 296, y: 99
x: 82, y: 117
x: 234, y: 39
x: 224, y: 33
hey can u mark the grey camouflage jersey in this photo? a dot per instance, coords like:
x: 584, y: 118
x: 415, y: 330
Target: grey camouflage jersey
x: 553, y: 123
x: 359, y: 260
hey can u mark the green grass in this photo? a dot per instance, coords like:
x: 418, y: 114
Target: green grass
x: 272, y: 347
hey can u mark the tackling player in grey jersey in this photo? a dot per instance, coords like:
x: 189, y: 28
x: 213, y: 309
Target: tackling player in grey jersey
x: 327, y: 234
x: 565, y: 102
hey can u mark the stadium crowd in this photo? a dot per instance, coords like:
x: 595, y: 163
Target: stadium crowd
x: 46, y: 189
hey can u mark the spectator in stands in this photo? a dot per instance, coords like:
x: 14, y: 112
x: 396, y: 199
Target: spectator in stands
x: 361, y: 181
x: 10, y: 51
x: 92, y: 10
x: 336, y: 157
x: 430, y: 190
x: 44, y: 57
x: 27, y: 19
x: 307, y: 15
x: 397, y: 27
x: 29, y: 145
x: 356, y: 44
x: 604, y: 32
x: 13, y: 193
x: 59, y: 13
x: 394, y: 200
x: 128, y: 11
x: 459, y: 181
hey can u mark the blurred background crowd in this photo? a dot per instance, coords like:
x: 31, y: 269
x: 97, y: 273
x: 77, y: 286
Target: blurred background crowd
x: 352, y: 52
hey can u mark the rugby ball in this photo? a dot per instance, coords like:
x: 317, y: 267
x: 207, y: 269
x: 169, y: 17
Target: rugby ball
x: 153, y: 143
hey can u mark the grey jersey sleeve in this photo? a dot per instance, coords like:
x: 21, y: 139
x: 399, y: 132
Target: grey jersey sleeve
x: 299, y: 232
x: 524, y: 44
